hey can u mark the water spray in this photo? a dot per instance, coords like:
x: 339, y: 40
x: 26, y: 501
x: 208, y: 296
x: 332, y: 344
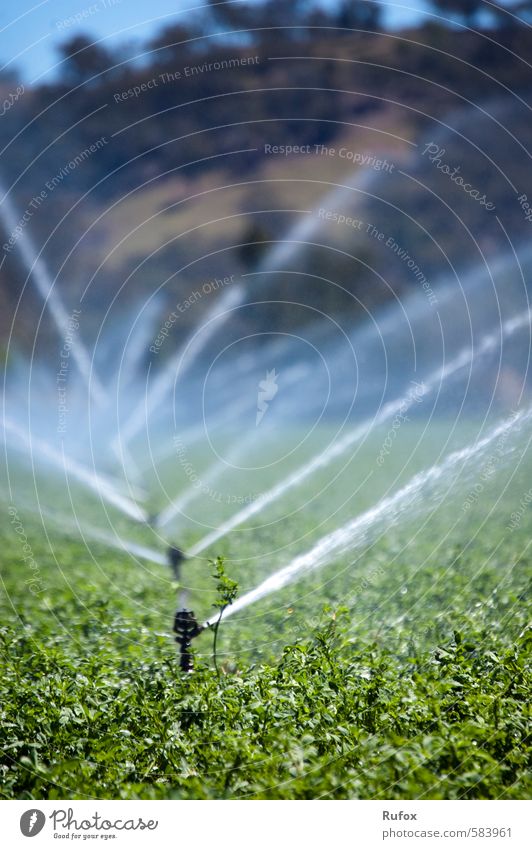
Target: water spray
x: 468, y: 356
x: 38, y: 449
x: 356, y: 532
x: 49, y: 292
x: 179, y: 364
x: 274, y: 259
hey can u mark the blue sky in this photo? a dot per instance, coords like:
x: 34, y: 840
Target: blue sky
x: 30, y: 30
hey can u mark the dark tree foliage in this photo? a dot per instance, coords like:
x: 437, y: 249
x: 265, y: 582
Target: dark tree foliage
x: 271, y: 18
x: 211, y: 84
x: 177, y: 40
x: 83, y: 59
x: 466, y: 10
x: 359, y: 14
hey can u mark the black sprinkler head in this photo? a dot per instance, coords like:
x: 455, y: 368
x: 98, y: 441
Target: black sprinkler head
x: 186, y: 627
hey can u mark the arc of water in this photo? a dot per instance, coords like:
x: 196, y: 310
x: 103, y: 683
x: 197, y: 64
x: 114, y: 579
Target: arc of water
x: 180, y: 362
x: 281, y: 253
x: 193, y: 434
x: 137, y: 344
x: 129, y: 547
x: 304, y: 229
x: 354, y: 533
x: 389, y: 410
x: 233, y: 410
x: 274, y: 351
x: 414, y: 304
x: 36, y: 268
x: 90, y: 479
x: 207, y: 479
x: 74, y: 528
x: 124, y: 487
x: 212, y: 474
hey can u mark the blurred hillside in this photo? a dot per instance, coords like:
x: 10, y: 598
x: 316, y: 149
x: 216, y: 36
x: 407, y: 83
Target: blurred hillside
x: 175, y: 167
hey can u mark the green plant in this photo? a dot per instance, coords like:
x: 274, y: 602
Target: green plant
x: 418, y: 689
x: 226, y: 592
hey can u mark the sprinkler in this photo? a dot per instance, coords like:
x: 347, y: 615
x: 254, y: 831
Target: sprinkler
x: 186, y: 627
x: 175, y: 558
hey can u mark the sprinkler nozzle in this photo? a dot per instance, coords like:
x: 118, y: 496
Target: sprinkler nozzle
x: 186, y: 627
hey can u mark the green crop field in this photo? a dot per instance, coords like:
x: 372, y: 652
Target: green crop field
x: 400, y: 669
x: 265, y: 328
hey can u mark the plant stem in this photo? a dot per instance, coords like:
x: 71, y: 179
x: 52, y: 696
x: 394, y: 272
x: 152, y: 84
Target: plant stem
x: 215, y: 640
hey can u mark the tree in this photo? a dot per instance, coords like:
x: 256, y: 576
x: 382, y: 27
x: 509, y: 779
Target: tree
x: 234, y: 16
x: 265, y: 15
x: 466, y: 10
x: 512, y: 17
x: 84, y: 59
x: 359, y: 14
x: 177, y: 40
